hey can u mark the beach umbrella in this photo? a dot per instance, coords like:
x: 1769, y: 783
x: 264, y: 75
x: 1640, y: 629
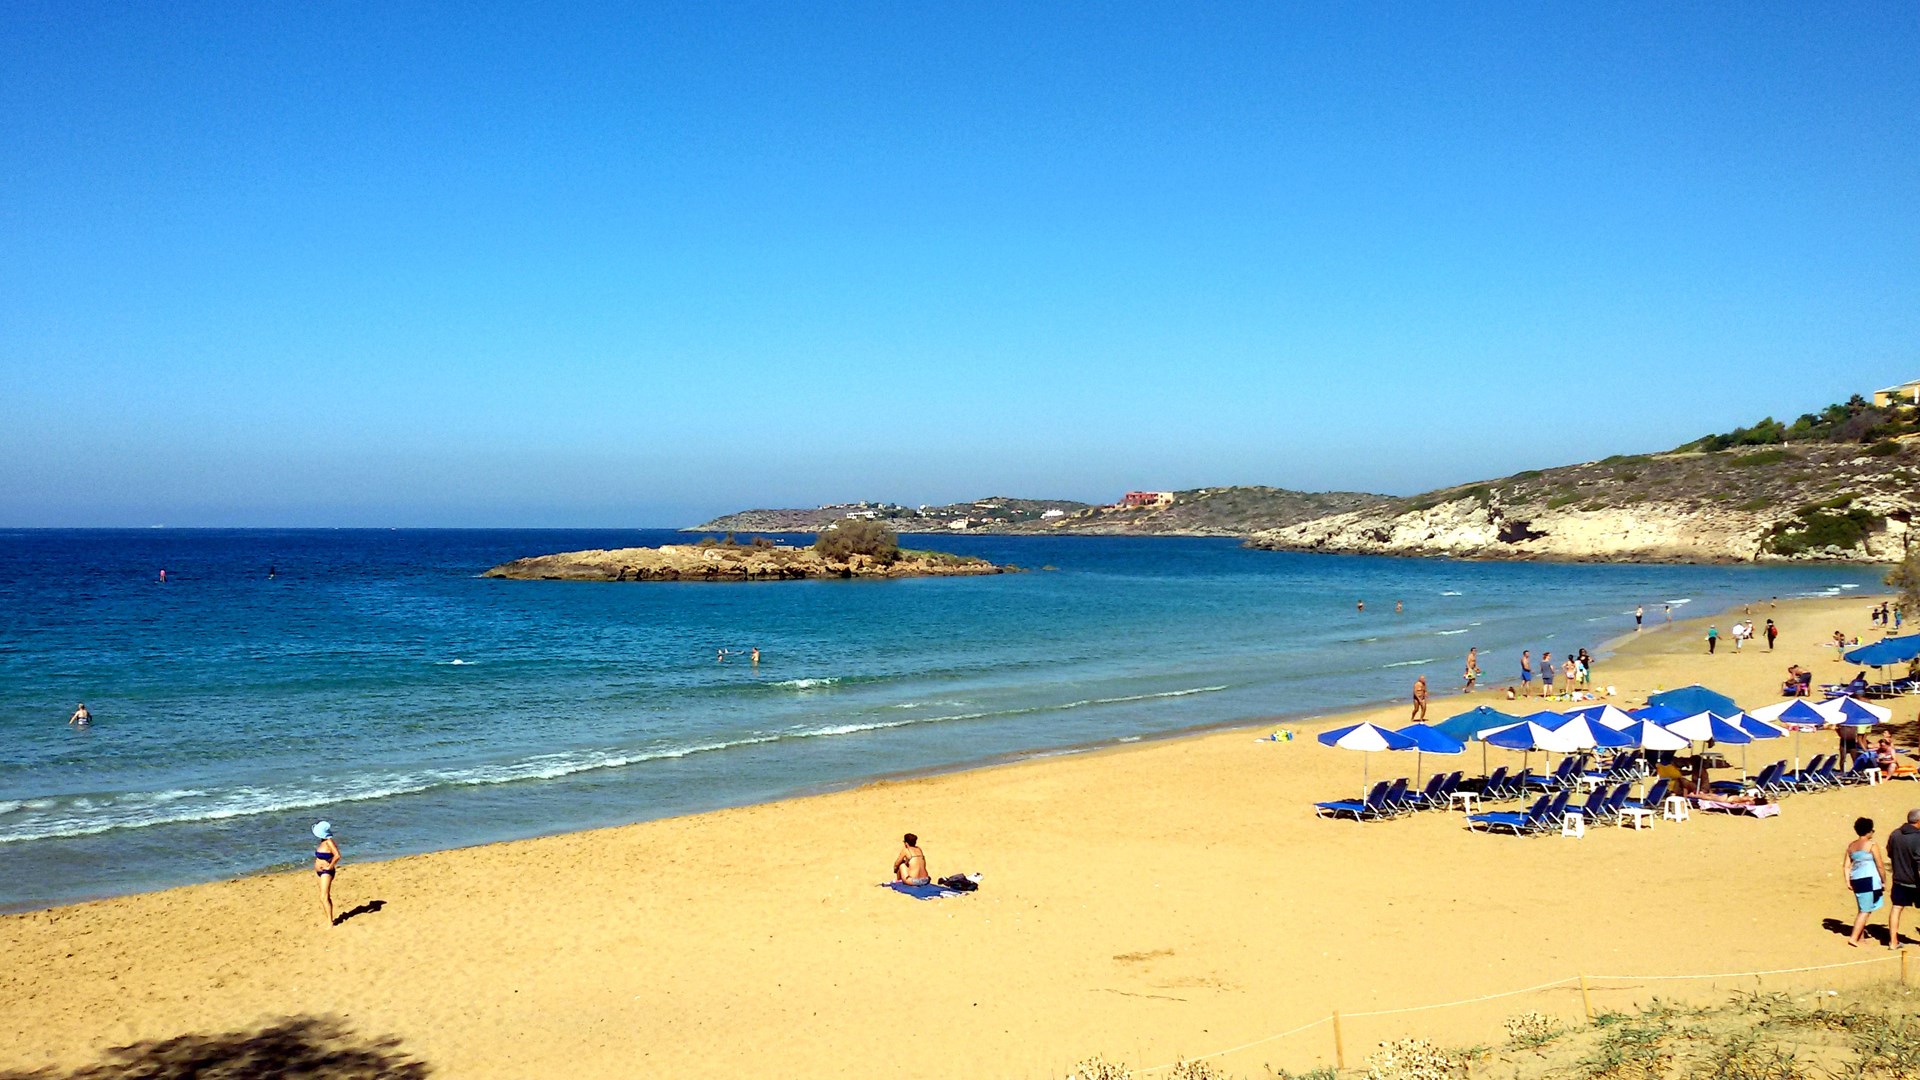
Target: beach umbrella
x: 1757, y: 728
x: 1707, y: 727
x: 1471, y: 723
x: 1428, y: 739
x: 1893, y: 650
x: 1658, y: 714
x: 1367, y: 738
x: 1606, y: 715
x: 1798, y: 712
x: 1792, y: 711
x: 1691, y: 700
x: 1583, y: 733
x: 1648, y: 735
x: 1528, y: 735
x: 1846, y: 710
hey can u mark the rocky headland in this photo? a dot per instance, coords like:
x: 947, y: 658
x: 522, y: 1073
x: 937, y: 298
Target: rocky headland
x: 1832, y: 502
x: 736, y: 562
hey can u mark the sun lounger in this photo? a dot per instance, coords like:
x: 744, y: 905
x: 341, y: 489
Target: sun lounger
x: 1654, y: 799
x: 1434, y: 794
x: 1534, y: 820
x: 1373, y: 806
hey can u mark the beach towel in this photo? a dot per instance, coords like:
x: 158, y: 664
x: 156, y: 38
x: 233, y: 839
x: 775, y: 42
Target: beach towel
x: 920, y: 892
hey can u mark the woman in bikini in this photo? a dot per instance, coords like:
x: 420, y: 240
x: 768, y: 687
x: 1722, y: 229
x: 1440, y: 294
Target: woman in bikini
x: 326, y: 860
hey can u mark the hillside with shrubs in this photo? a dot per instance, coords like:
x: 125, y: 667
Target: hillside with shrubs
x: 1841, y: 484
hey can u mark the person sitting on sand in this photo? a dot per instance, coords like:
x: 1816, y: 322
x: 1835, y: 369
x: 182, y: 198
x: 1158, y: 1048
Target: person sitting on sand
x: 81, y: 717
x: 910, y: 866
x: 326, y: 861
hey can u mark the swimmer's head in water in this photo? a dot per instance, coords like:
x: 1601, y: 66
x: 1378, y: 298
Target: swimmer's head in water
x: 914, y: 841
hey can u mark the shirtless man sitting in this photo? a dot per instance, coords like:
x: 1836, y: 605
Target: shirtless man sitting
x: 910, y: 866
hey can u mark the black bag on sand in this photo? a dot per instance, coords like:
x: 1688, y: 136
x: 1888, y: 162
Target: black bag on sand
x: 958, y: 883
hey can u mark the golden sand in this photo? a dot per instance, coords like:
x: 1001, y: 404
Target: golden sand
x: 1158, y: 899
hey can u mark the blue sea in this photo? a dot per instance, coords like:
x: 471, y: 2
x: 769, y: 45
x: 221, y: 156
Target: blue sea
x: 376, y: 680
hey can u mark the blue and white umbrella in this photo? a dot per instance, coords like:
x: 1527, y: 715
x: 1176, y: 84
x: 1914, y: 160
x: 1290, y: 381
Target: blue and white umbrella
x: 1793, y: 711
x: 1800, y: 713
x: 1707, y: 727
x: 1846, y: 710
x: 1585, y: 733
x: 1605, y: 715
x: 1648, y: 735
x: 1367, y: 738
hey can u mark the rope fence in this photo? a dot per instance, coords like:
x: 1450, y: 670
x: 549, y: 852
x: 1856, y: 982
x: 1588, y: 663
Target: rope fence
x: 1585, y: 983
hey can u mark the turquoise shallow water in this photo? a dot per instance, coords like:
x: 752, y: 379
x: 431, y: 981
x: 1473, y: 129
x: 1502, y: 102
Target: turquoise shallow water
x: 378, y: 682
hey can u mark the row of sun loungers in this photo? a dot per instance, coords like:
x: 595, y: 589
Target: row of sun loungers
x: 1609, y: 802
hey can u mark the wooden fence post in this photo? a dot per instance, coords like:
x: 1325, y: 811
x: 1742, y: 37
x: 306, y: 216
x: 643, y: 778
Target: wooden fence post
x: 1339, y: 1047
x: 1586, y: 999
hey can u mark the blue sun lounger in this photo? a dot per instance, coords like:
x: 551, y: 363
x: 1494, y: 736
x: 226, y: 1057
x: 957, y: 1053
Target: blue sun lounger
x: 1534, y: 820
x: 1374, y: 805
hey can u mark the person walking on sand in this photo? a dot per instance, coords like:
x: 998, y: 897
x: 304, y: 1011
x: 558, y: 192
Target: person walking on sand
x: 1866, y: 875
x: 1569, y: 674
x: 1639, y: 613
x: 1772, y: 632
x: 326, y: 861
x: 910, y: 866
x: 1713, y: 639
x: 1526, y: 672
x: 1669, y: 609
x: 81, y: 717
x: 1473, y: 667
x: 1546, y: 674
x: 1420, y: 697
x: 1903, y: 858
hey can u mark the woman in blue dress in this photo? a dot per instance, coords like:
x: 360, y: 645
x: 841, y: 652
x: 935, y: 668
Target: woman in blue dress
x: 1866, y: 876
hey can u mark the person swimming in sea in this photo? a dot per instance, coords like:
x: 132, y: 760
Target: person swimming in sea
x: 326, y: 862
x: 81, y: 717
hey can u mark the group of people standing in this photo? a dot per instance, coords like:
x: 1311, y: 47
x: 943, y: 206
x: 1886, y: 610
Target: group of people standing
x: 1575, y: 672
x: 1888, y: 614
x: 1742, y: 632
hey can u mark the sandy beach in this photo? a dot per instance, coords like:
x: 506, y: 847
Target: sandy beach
x: 1142, y: 902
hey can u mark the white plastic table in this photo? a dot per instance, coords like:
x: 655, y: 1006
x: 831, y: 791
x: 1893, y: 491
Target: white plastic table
x: 1574, y: 824
x: 1469, y: 800
x: 1642, y: 816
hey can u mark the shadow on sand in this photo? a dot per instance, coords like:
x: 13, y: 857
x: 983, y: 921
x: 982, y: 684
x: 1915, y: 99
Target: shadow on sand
x: 298, y: 1047
x: 1876, y: 931
x: 369, y: 908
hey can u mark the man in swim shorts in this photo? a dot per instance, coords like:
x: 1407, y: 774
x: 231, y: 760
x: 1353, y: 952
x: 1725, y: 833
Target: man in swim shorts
x: 1526, y: 672
x: 1903, y: 858
x: 910, y: 866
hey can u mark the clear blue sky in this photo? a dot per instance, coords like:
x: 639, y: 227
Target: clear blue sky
x: 279, y: 264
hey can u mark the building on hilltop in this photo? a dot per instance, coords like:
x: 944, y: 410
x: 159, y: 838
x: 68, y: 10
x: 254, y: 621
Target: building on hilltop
x: 1906, y: 393
x: 1133, y: 500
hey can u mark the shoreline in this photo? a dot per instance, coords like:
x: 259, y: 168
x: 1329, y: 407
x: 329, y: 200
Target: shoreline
x: 1310, y: 719
x: 1141, y: 899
